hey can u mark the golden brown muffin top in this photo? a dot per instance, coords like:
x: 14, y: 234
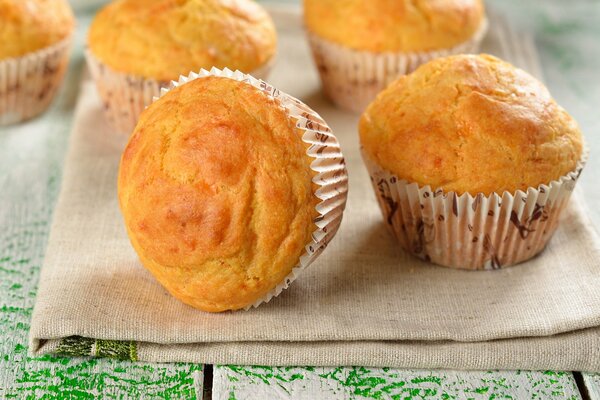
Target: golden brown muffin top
x: 216, y: 190
x: 394, y: 25
x: 471, y: 124
x: 163, y: 39
x: 30, y: 25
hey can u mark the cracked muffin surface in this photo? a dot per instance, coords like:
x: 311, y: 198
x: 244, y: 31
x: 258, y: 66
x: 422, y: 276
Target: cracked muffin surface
x: 163, y: 39
x: 394, y: 25
x: 471, y: 124
x: 216, y: 191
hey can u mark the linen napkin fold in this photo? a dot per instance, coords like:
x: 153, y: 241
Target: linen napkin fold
x: 363, y: 302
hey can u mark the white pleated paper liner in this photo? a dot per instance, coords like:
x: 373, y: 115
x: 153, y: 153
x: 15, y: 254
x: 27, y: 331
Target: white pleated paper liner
x: 29, y: 83
x: 329, y: 166
x: 125, y: 96
x: 353, y: 78
x: 471, y: 232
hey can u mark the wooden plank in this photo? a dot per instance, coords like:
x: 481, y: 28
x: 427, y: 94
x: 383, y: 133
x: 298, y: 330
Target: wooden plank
x: 31, y: 158
x: 234, y: 382
x: 592, y: 384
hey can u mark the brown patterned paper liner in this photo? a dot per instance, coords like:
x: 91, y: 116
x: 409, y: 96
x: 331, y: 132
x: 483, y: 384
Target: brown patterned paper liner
x: 329, y: 166
x: 353, y: 78
x: 29, y: 83
x: 471, y: 232
x: 125, y: 96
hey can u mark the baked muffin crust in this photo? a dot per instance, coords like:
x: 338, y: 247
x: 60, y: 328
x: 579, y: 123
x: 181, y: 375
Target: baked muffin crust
x: 163, y: 39
x: 471, y: 124
x: 394, y: 25
x: 31, y: 25
x: 216, y: 191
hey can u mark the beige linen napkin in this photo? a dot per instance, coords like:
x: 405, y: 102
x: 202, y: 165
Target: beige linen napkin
x: 364, y: 301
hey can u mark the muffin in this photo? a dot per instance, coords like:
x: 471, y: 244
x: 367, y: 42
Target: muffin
x: 35, y: 38
x: 226, y: 230
x: 360, y: 46
x: 135, y: 47
x: 472, y: 161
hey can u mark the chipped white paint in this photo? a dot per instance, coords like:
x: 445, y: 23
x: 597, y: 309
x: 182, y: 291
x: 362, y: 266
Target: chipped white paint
x: 245, y: 383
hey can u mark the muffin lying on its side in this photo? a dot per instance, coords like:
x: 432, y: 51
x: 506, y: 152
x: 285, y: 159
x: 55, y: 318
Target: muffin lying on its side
x: 220, y: 186
x: 472, y: 161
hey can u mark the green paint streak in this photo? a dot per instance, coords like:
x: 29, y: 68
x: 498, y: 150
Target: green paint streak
x: 430, y: 379
x: 53, y: 359
x: 19, y: 348
x: 11, y: 271
x: 265, y: 374
x: 283, y: 387
x: 554, y: 373
x: 392, y: 386
x: 16, y: 310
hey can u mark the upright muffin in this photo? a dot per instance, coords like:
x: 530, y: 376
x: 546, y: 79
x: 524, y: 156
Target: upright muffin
x: 224, y: 230
x: 138, y: 46
x: 472, y: 161
x: 34, y: 54
x: 360, y: 46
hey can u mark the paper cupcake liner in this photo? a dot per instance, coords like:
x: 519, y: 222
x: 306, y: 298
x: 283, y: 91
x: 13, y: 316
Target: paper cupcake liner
x: 471, y: 232
x: 125, y: 96
x: 353, y: 78
x: 329, y: 166
x: 29, y: 83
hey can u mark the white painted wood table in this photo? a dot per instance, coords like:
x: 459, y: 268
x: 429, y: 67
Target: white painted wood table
x: 31, y: 158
